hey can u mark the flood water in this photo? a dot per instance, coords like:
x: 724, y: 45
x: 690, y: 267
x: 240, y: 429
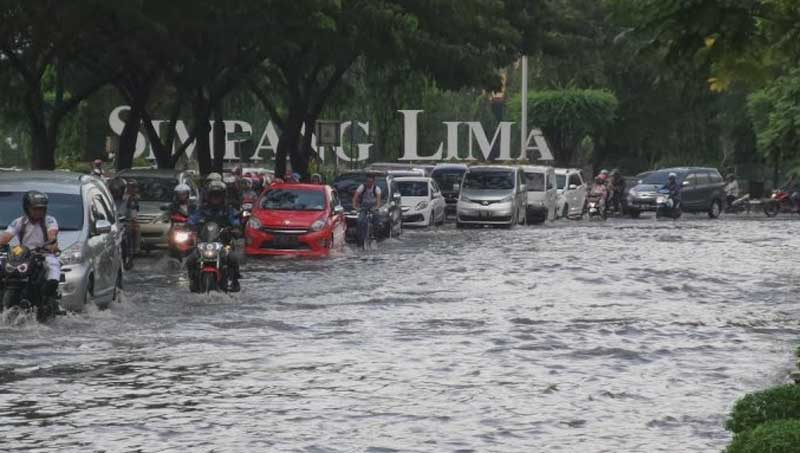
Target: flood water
x: 624, y: 336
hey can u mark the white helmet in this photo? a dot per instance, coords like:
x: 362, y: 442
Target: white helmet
x: 213, y: 177
x: 672, y: 175
x: 182, y: 188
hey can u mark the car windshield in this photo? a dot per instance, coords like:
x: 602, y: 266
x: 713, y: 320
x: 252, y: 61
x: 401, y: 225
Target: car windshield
x: 489, y: 180
x: 561, y: 182
x: 448, y: 180
x: 535, y: 181
x: 413, y: 188
x: 658, y: 178
x: 67, y: 209
x: 294, y: 200
x: 155, y: 189
x: 346, y: 186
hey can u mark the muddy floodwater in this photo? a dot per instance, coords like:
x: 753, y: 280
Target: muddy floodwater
x: 624, y: 336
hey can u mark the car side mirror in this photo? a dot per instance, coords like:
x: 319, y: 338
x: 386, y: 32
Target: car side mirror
x: 573, y: 187
x: 337, y: 210
x: 102, y: 226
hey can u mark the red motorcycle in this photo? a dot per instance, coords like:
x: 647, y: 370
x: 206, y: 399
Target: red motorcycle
x: 780, y: 202
x: 180, y: 238
x: 248, y: 204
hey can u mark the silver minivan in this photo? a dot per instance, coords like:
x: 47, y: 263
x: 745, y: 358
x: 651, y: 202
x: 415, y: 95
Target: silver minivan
x: 89, y: 239
x: 492, y: 195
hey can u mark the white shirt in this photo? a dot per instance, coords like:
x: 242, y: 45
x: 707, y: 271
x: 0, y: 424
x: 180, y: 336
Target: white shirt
x: 368, y: 198
x: 33, y: 231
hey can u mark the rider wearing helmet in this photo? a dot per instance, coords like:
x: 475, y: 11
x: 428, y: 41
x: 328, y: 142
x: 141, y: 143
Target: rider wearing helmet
x: 619, y: 189
x: 97, y: 168
x: 181, y: 201
x: 215, y: 210
x: 672, y: 186
x: 34, y: 229
x: 731, y: 188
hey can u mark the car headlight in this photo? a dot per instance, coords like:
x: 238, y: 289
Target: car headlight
x: 163, y: 218
x: 632, y: 192
x: 507, y: 199
x: 422, y: 205
x: 318, y: 225
x: 254, y: 223
x: 661, y: 199
x: 466, y: 199
x: 72, y: 254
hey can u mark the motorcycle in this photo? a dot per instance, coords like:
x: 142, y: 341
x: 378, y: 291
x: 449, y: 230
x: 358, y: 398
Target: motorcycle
x: 24, y: 278
x: 595, y: 206
x: 180, y: 237
x: 779, y: 202
x: 738, y: 205
x: 667, y: 205
x: 248, y: 202
x: 211, y: 272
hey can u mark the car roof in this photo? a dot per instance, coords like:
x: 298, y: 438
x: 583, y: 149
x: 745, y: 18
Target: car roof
x: 413, y: 179
x: 450, y: 166
x: 45, y: 181
x: 477, y: 168
x: 299, y: 185
x: 687, y: 169
x: 564, y: 171
x: 362, y: 173
x: 538, y: 168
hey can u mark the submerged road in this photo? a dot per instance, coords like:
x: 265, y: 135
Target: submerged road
x: 577, y: 336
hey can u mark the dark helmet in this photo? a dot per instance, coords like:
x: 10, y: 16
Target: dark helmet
x: 117, y: 186
x: 34, y: 199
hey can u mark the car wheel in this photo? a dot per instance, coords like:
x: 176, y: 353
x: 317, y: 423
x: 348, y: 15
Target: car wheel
x: 771, y: 209
x: 635, y: 213
x: 565, y: 212
x: 716, y: 209
x: 459, y: 225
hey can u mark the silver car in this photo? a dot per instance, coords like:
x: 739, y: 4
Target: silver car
x: 156, y: 188
x: 492, y: 195
x: 89, y: 239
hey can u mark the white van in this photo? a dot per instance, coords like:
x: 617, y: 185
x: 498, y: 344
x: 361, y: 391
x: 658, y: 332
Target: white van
x: 571, y: 192
x: 542, y: 193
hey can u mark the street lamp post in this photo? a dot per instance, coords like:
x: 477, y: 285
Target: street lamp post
x: 524, y: 120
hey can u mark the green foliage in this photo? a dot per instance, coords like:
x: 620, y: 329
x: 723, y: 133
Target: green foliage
x: 567, y: 116
x: 778, y: 403
x: 775, y: 113
x: 781, y: 436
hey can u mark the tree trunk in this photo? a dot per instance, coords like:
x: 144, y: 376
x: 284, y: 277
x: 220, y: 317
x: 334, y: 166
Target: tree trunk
x: 201, y: 124
x: 289, y: 143
x: 219, y: 138
x: 128, y: 138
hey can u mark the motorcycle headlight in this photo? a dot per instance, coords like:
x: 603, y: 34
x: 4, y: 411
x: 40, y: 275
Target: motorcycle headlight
x: 72, y: 254
x: 318, y: 225
x: 182, y: 236
x: 210, y: 254
x: 422, y: 205
x: 661, y: 199
x: 254, y: 223
x: 10, y: 268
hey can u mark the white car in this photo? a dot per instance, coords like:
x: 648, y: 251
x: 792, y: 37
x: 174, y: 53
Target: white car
x: 422, y: 202
x: 571, y: 193
x: 542, y: 194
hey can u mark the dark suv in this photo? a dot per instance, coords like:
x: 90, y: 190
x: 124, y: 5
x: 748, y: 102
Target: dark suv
x: 701, y: 190
x: 389, y: 216
x: 448, y: 177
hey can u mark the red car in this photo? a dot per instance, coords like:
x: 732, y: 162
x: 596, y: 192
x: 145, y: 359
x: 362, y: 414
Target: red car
x: 296, y: 219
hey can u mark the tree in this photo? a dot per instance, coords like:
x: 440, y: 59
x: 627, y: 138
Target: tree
x: 32, y: 49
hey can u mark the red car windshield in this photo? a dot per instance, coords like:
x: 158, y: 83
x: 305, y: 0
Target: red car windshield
x: 294, y: 200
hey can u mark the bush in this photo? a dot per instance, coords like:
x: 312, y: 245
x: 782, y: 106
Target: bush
x: 782, y: 436
x: 777, y: 403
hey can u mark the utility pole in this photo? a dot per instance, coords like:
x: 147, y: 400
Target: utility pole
x: 523, y: 127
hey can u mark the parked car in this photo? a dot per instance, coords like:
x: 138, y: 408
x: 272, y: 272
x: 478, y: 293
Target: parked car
x: 296, y: 219
x: 422, y: 202
x: 448, y: 177
x: 571, y: 188
x: 155, y: 189
x: 701, y: 191
x: 89, y: 238
x: 542, y: 193
x: 389, y: 217
x: 492, y: 195
x: 404, y: 173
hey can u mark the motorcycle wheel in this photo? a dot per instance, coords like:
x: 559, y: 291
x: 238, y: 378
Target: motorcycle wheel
x: 209, y: 282
x: 772, y: 209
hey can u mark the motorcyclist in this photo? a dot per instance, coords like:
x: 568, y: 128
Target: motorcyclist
x: 316, y: 178
x: 127, y: 210
x: 181, y: 201
x: 213, y: 176
x: 366, y: 197
x: 793, y: 189
x: 97, y: 168
x: 731, y: 188
x: 33, y: 230
x: 216, y: 211
x: 619, y: 186
x: 673, y: 187
x: 600, y: 190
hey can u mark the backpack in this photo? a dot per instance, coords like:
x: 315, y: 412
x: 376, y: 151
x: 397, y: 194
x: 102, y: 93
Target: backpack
x: 374, y: 193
